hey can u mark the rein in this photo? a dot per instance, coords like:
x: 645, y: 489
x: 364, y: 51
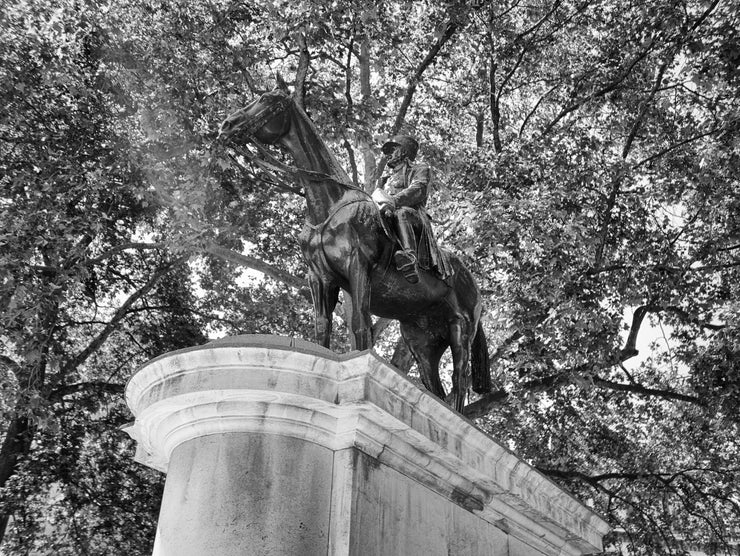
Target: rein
x: 266, y: 160
x: 272, y: 163
x: 273, y: 178
x: 333, y: 213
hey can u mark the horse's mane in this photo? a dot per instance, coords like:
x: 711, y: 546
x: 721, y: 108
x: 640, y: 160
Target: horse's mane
x: 337, y: 175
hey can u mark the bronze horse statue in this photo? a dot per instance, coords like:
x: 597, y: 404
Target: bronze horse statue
x: 345, y: 246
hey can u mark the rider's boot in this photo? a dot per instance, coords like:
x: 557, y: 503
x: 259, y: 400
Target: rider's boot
x: 405, y: 259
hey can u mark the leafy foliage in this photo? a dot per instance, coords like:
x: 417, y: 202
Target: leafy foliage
x: 587, y: 158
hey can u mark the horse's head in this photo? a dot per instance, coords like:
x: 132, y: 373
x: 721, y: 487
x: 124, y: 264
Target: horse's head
x: 266, y: 119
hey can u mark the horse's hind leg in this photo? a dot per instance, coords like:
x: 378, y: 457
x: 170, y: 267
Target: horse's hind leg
x: 427, y: 349
x: 461, y: 338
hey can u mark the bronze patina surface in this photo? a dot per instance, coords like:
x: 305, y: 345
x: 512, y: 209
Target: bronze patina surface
x: 346, y: 247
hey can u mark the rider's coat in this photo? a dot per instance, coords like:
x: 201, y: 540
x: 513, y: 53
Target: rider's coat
x: 409, y: 185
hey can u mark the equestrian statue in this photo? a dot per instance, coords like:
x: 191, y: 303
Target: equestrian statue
x: 381, y: 252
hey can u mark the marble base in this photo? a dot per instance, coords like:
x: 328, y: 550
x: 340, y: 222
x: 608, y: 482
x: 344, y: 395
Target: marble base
x: 277, y: 446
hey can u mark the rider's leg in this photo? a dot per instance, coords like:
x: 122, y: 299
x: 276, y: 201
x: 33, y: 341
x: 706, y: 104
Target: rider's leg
x: 406, y: 258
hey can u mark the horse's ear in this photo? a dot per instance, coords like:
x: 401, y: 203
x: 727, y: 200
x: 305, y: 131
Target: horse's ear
x: 282, y: 85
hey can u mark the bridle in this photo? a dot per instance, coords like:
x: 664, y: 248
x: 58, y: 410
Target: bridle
x: 265, y: 159
x: 268, y: 112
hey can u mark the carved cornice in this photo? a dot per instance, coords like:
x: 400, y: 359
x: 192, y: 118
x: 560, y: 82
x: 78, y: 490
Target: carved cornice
x: 275, y: 385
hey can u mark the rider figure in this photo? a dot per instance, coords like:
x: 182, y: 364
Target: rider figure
x: 408, y: 186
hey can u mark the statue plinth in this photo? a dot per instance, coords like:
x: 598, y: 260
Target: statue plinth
x: 278, y: 446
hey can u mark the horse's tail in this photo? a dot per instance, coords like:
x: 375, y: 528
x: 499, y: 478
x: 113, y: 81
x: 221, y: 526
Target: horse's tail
x: 480, y: 362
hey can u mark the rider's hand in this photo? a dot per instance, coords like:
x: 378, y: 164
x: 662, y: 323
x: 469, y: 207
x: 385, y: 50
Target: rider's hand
x: 386, y: 211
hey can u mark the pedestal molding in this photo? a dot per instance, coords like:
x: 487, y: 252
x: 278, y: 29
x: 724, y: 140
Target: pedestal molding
x: 355, y: 401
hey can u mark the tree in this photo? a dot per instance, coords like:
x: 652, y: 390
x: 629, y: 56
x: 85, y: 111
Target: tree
x: 587, y: 161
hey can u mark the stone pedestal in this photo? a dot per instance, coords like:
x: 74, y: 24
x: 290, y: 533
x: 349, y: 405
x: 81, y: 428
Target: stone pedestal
x: 275, y: 446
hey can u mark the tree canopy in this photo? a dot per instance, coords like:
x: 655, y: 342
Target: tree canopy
x: 587, y: 155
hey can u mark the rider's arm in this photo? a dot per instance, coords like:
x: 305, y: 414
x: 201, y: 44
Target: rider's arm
x: 416, y: 193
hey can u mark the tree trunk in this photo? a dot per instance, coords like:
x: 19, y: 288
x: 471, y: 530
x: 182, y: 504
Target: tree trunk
x: 495, y: 111
x: 16, y: 445
x: 368, y: 156
x: 479, y: 123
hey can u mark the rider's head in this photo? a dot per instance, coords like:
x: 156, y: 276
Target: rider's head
x: 399, y: 148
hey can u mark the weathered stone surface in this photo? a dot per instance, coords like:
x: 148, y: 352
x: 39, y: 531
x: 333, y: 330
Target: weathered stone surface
x: 361, y: 412
x: 393, y: 514
x: 246, y: 493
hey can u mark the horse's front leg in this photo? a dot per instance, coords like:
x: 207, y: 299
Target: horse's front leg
x: 324, y: 301
x: 359, y: 286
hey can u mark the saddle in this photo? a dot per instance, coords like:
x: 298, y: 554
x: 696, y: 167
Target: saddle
x: 427, y: 253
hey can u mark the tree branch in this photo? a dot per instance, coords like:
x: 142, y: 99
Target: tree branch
x: 379, y: 327
x: 485, y: 404
x: 11, y: 364
x: 349, y: 113
x: 494, y: 106
x: 119, y: 315
x: 630, y: 350
x: 503, y: 347
x: 256, y: 264
x: 482, y: 406
x: 368, y: 156
x: 572, y: 474
x: 59, y: 393
x: 685, y: 316
x: 304, y: 59
x: 536, y: 106
x: 644, y: 106
x: 646, y: 391
x: 352, y: 162
x: 480, y: 118
x: 538, y: 24
x: 17, y: 443
x: 604, y: 232
x: 609, y: 87
x: 446, y: 35
x: 677, y: 145
x: 141, y: 246
x: 511, y: 73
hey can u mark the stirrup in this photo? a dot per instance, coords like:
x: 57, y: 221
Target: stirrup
x: 406, y: 264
